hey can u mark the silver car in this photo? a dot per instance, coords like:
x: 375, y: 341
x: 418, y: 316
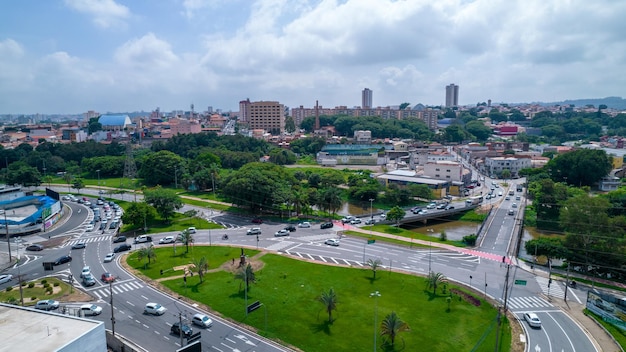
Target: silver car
x: 532, y: 319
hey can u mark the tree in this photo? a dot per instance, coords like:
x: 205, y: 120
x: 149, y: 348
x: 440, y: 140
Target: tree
x: 551, y: 248
x: 246, y: 275
x: 201, y: 266
x: 139, y: 214
x: 331, y: 200
x: 148, y: 253
x: 67, y: 177
x: 478, y: 130
x: 161, y: 168
x: 392, y: 325
x: 396, y: 214
x: 582, y: 167
x: 290, y: 125
x: 374, y: 264
x: 20, y: 173
x: 404, y: 105
x: 186, y: 238
x: 506, y: 173
x: 165, y: 201
x: 434, y: 279
x: 78, y: 184
x: 329, y: 300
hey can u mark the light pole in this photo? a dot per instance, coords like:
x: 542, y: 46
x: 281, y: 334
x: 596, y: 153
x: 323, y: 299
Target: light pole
x: 6, y: 226
x: 210, y: 219
x: 98, y: 171
x: 375, y: 294
x: 19, y: 271
x: 371, y: 213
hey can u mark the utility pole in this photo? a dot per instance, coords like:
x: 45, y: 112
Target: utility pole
x: 566, y: 283
x: 112, y: 311
x: 6, y: 226
x: 180, y: 325
x: 19, y: 272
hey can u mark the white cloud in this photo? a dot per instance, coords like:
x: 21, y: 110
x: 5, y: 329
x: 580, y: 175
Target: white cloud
x: 147, y: 53
x: 105, y: 13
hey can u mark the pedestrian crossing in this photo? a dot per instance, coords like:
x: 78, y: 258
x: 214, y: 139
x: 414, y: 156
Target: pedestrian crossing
x: 280, y: 245
x: 529, y: 302
x: 117, y: 288
x: 88, y: 240
x: 553, y: 290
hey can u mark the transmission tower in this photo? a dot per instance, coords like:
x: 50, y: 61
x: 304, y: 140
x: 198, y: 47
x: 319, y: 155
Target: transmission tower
x: 130, y: 169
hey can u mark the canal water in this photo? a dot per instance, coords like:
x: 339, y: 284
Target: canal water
x: 455, y: 230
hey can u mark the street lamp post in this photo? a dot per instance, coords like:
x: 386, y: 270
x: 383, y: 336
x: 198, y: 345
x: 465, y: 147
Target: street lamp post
x: 371, y: 213
x: 375, y: 294
x: 6, y: 226
x: 98, y: 171
x: 19, y: 271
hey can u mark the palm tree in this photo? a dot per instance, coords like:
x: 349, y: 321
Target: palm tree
x: 246, y: 275
x: 331, y: 200
x: 392, y: 325
x: 147, y: 252
x: 329, y: 300
x: 214, y: 170
x: 374, y: 264
x: 201, y: 266
x: 435, y: 279
x: 186, y: 238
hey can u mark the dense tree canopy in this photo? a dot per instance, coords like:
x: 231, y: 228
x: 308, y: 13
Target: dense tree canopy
x: 582, y: 167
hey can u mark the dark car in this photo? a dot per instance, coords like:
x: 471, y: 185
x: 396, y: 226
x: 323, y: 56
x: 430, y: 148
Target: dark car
x: 290, y: 228
x: 119, y: 239
x: 122, y: 248
x: 326, y: 225
x: 35, y: 247
x: 257, y: 220
x: 176, y: 329
x: 62, y: 260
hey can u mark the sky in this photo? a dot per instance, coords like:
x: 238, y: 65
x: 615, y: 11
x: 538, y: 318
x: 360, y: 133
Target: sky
x: 71, y: 56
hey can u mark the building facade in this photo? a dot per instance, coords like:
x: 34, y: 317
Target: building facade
x: 452, y: 95
x: 495, y: 166
x: 366, y: 98
x: 266, y: 115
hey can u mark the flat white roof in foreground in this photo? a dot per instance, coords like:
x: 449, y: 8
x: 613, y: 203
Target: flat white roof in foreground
x: 26, y: 329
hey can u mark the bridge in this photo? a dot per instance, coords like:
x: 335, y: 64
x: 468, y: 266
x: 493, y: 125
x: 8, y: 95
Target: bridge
x: 432, y: 214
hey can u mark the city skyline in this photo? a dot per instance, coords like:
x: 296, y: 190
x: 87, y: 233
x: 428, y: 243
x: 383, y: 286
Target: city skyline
x: 72, y: 56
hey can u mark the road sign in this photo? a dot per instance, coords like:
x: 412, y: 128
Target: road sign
x: 520, y: 282
x: 371, y: 241
x: 254, y: 306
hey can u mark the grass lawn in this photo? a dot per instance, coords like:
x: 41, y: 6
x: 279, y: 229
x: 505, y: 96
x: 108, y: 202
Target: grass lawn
x: 617, y: 334
x: 61, y: 292
x: 289, y: 289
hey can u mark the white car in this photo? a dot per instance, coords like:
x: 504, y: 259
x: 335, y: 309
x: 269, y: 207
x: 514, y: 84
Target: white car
x: 355, y: 221
x: 305, y: 224
x: 166, y: 240
x: 86, y: 270
x: 191, y: 229
x: 5, y: 278
x: 282, y: 232
x: 89, y: 227
x: 109, y: 257
x: 202, y: 320
x: 90, y: 309
x: 332, y: 242
x: 431, y: 206
x: 154, y: 309
x: 532, y: 319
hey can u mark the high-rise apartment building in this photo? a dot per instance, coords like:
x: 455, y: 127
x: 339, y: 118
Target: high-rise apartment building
x: 452, y: 95
x: 366, y: 98
x: 266, y: 115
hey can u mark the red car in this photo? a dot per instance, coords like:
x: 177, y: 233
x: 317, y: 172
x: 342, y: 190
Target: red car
x: 257, y: 220
x: 108, y: 277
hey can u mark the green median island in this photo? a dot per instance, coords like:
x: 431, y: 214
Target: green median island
x: 290, y: 302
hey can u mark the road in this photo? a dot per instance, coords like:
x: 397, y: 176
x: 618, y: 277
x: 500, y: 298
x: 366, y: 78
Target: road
x: 481, y: 269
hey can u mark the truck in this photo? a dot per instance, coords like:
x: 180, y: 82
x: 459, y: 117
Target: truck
x: 474, y: 200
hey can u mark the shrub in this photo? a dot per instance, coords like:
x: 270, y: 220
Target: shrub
x: 470, y: 240
x: 49, y: 289
x: 44, y: 281
x: 9, y: 288
x: 466, y: 297
x: 11, y: 300
x: 31, y: 284
x: 24, y: 283
x: 443, y: 236
x: 56, y: 284
x: 46, y: 285
x: 33, y: 298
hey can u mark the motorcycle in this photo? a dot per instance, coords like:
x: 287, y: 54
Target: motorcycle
x: 225, y: 237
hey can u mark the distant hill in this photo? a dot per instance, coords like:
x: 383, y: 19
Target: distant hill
x: 611, y: 102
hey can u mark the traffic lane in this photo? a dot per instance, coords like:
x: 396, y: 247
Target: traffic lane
x: 558, y: 324
x: 152, y: 331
